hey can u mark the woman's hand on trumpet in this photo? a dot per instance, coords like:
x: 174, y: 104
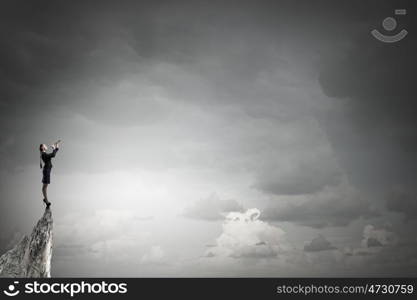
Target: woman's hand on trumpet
x: 56, y: 145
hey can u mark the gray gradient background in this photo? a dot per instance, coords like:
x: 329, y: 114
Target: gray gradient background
x: 175, y: 113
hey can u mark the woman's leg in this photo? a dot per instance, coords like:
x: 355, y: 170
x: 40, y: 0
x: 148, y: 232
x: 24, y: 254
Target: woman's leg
x: 44, y: 191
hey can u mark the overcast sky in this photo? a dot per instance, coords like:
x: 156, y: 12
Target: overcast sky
x: 212, y: 138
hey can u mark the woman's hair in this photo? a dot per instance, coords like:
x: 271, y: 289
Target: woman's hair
x: 40, y: 157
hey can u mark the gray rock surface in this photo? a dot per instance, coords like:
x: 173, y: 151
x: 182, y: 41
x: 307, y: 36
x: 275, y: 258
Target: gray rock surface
x: 31, y: 257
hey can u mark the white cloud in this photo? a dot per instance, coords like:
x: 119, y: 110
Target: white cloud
x: 244, y: 235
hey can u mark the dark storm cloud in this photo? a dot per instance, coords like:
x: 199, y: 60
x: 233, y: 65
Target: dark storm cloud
x: 74, y: 58
x: 318, y: 215
x: 305, y: 177
x: 399, y: 261
x: 319, y: 243
x: 333, y: 206
x: 374, y: 132
x: 213, y: 85
x: 372, y: 242
x: 65, y: 65
x: 50, y: 47
x: 61, y: 59
x: 403, y: 201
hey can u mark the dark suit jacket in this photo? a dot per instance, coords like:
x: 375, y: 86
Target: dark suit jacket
x: 47, y: 158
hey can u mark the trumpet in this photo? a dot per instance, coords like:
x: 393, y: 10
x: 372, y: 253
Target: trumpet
x: 56, y: 143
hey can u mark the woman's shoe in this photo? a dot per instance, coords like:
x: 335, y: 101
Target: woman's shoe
x: 47, y: 203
